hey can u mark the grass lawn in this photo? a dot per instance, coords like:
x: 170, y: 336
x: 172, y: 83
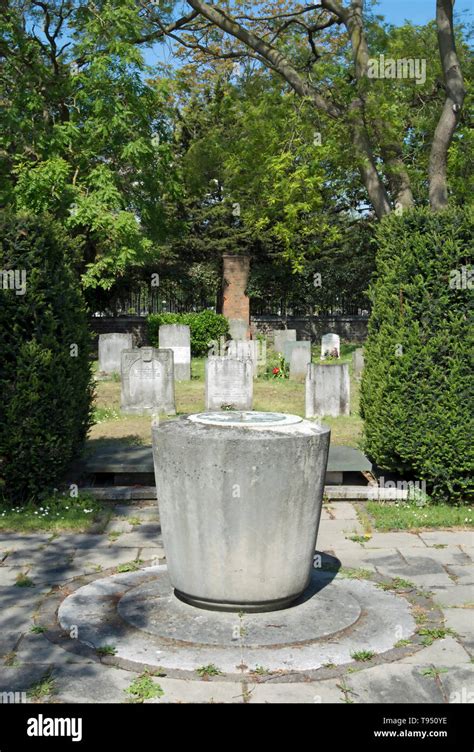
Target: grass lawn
x: 56, y: 515
x: 279, y: 395
x: 393, y: 516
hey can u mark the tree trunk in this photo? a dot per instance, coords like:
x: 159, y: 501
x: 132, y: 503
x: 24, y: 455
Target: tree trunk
x: 455, y: 92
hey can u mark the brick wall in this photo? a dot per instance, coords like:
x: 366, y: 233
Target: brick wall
x: 235, y: 303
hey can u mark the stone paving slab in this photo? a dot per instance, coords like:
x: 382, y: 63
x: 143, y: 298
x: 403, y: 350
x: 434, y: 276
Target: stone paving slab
x: 152, y: 553
x: 456, y: 595
x: 91, y: 683
x: 343, y: 511
x: 139, y: 537
x: 316, y: 693
x: 463, y: 575
x: 446, y: 556
x: 431, y: 582
x: 392, y: 683
x: 438, y: 561
x: 444, y: 652
x: 9, y: 576
x: 458, y: 684
x: 18, y: 606
x: 36, y: 648
x: 193, y: 691
x: 49, y: 556
x: 106, y: 557
x: 21, y: 678
x: 8, y: 640
x: 17, y: 541
x: 344, y: 526
x: 395, y: 540
x: 462, y: 621
x: 451, y: 537
x: 328, y: 542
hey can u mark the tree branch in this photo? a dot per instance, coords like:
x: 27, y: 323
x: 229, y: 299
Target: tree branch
x: 267, y: 52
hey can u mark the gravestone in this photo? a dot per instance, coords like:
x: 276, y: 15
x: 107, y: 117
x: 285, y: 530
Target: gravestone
x: 247, y: 349
x: 283, y: 335
x: 147, y: 381
x: 358, y: 362
x: 229, y: 382
x: 110, y: 350
x: 299, y: 359
x: 330, y: 346
x: 177, y: 337
x: 288, y: 348
x: 327, y: 390
x: 238, y: 328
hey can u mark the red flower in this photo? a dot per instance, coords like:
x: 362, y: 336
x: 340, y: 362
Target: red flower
x: 276, y: 370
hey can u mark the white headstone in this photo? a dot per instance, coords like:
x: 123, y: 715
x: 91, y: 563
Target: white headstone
x: 328, y: 390
x: 110, y: 350
x: 238, y: 328
x: 229, y: 383
x: 288, y: 348
x: 147, y: 381
x: 177, y: 337
x: 283, y: 335
x: 330, y: 346
x: 299, y: 359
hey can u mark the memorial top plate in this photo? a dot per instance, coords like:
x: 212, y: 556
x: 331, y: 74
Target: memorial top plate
x: 245, y: 418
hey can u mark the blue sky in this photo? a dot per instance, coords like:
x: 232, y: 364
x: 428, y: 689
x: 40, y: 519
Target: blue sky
x: 395, y: 12
x: 416, y: 11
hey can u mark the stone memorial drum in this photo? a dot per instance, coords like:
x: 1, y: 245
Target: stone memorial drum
x: 240, y: 497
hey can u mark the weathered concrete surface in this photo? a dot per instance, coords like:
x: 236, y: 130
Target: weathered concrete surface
x: 110, y: 351
x: 29, y: 654
x: 222, y: 490
x: 139, y: 614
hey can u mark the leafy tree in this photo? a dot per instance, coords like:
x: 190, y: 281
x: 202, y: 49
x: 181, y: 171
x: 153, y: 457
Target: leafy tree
x: 84, y: 135
x: 323, y: 53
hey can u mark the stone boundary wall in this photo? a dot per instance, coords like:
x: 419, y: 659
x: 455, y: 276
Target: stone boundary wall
x: 349, y: 328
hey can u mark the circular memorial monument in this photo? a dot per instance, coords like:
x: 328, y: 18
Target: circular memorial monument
x: 240, y: 498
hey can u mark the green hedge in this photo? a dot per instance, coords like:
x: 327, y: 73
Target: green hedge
x: 45, y: 387
x: 416, y: 391
x: 204, y: 326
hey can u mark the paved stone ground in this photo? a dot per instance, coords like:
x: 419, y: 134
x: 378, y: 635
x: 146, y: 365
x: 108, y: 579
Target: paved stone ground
x: 438, y: 562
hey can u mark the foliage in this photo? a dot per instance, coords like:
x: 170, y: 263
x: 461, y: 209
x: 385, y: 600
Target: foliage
x: 45, y: 373
x: 144, y: 688
x: 417, y: 381
x: 84, y: 135
x: 205, y: 327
